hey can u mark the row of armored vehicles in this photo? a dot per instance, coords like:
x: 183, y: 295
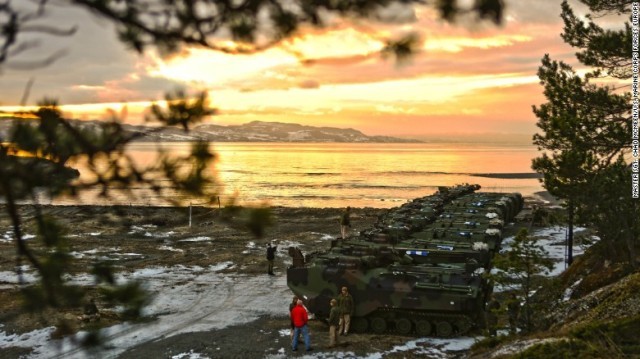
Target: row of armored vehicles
x: 419, y: 270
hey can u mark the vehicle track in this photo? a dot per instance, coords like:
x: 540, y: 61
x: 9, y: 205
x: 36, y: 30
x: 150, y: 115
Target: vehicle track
x: 143, y: 330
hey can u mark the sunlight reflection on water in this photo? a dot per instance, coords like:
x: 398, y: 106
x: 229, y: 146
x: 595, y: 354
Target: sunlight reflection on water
x: 336, y: 174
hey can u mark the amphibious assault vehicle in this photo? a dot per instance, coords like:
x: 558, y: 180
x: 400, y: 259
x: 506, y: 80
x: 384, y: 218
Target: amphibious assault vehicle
x: 418, y: 270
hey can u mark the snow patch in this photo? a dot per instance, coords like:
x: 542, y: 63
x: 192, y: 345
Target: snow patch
x: 190, y: 355
x: 196, y: 239
x: 567, y: 292
x: 25, y: 340
x: 171, y: 249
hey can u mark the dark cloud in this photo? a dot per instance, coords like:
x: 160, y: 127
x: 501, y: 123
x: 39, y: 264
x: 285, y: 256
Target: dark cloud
x: 94, y: 59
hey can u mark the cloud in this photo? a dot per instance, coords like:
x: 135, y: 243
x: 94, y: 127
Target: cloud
x: 466, y: 78
x: 97, y: 67
x: 309, y: 84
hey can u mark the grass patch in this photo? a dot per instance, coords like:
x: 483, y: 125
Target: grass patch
x: 612, y: 339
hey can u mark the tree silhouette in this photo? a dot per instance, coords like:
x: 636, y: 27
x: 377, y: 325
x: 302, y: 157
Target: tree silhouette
x: 253, y: 25
x: 586, y: 126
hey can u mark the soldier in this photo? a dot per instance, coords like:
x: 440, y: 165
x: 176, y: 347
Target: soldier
x: 334, y: 322
x: 492, y: 316
x: 271, y: 255
x: 513, y: 309
x: 345, y: 223
x: 345, y: 303
x: 91, y: 312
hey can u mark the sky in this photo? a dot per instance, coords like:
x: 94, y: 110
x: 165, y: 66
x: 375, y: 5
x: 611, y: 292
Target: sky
x: 470, y: 77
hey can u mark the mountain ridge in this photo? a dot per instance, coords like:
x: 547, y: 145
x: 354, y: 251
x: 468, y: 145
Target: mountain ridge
x: 262, y: 131
x: 255, y: 131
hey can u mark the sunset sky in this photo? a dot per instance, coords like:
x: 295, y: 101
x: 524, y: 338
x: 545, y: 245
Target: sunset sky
x: 469, y: 78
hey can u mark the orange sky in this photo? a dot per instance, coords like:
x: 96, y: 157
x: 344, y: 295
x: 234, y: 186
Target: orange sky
x: 469, y: 77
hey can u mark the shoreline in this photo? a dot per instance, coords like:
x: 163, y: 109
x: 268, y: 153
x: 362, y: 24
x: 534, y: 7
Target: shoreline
x: 538, y: 196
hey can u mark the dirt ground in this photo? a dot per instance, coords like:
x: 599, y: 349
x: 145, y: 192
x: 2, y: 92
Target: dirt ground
x: 98, y: 230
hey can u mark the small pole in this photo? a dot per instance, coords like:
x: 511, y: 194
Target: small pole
x: 189, y: 214
x: 218, y: 202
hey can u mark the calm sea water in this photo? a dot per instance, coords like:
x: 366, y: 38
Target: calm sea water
x: 337, y: 175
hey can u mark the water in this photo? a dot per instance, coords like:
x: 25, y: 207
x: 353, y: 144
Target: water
x: 337, y: 175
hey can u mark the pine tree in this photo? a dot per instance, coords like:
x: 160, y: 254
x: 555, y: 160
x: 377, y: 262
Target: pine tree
x: 515, y: 270
x: 586, y: 126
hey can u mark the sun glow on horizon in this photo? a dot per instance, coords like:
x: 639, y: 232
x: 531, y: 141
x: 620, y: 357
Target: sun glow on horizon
x: 464, y: 75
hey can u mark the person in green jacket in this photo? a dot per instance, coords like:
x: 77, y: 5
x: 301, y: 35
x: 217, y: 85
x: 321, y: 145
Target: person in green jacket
x: 334, y: 322
x: 345, y: 303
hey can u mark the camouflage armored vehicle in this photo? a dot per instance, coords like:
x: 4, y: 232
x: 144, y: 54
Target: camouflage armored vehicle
x: 490, y: 237
x: 441, y: 300
x: 401, y: 278
x: 473, y: 255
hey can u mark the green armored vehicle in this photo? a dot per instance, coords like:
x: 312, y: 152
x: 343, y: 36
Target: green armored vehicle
x: 490, y: 237
x: 417, y: 270
x: 473, y: 255
x: 440, y: 300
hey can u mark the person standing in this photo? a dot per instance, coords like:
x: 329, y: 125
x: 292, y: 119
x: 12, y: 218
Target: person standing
x: 292, y: 305
x: 492, y: 316
x: 300, y: 318
x: 345, y: 223
x: 345, y: 303
x: 334, y: 322
x: 271, y: 255
x: 513, y: 309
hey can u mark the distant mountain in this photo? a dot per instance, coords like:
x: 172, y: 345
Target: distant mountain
x: 259, y: 131
x: 256, y: 131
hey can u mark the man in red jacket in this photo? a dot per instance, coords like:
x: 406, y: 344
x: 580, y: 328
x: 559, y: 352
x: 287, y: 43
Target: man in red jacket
x: 300, y: 318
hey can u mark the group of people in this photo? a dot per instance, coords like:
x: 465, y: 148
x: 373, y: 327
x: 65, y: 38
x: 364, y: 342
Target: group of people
x: 339, y: 319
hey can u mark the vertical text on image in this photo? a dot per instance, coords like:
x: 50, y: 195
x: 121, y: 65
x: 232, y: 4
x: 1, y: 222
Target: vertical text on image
x: 635, y: 30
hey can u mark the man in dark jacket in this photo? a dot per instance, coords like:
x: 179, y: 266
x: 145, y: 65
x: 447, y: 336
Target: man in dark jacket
x: 334, y: 322
x: 513, y: 308
x: 492, y: 316
x: 300, y: 318
x: 345, y: 303
x: 345, y: 223
x: 271, y: 255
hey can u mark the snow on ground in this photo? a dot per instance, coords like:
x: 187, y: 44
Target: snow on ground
x: 323, y: 236
x: 171, y: 249
x: 193, y: 298
x: 196, y: 239
x: 189, y: 299
x: 552, y: 239
x: 7, y: 237
x: 185, y: 299
x: 569, y: 291
x: 9, y: 279
x: 190, y: 355
x: 26, y: 340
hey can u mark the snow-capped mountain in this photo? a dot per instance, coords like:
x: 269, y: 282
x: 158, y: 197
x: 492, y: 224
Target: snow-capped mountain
x: 258, y: 131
